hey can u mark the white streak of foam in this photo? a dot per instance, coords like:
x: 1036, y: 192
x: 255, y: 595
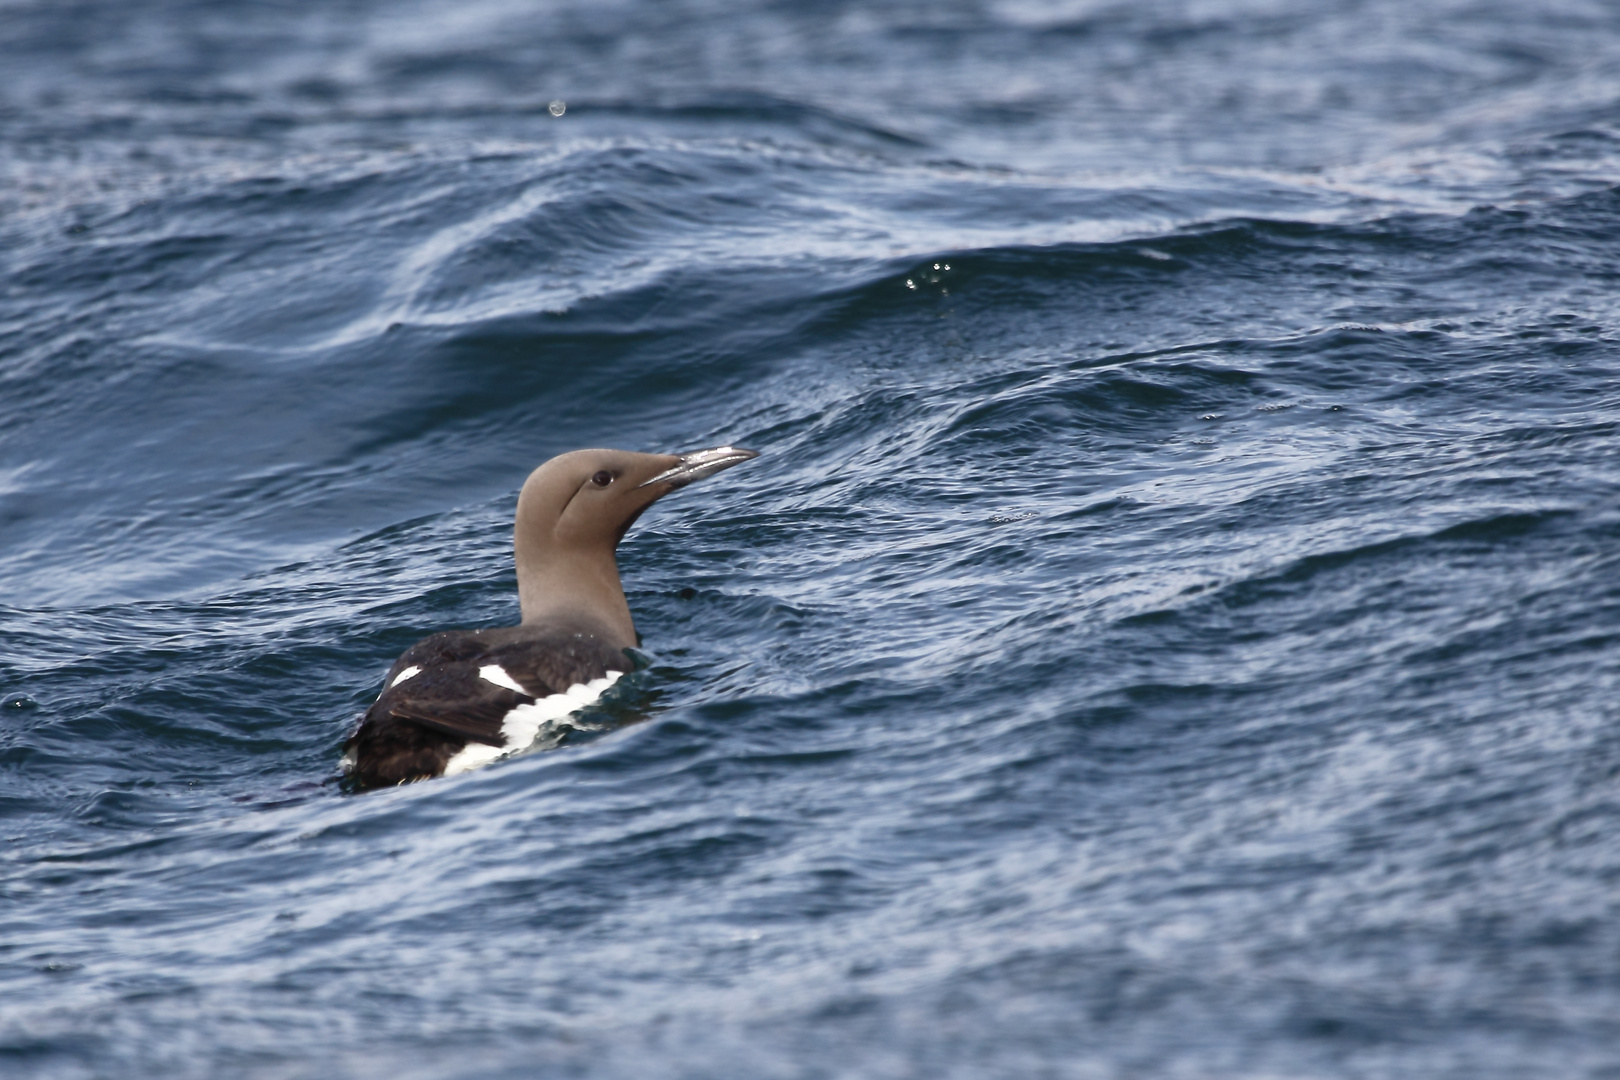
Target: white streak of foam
x: 472, y: 756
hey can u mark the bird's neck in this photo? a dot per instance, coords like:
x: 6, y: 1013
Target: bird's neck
x: 577, y: 588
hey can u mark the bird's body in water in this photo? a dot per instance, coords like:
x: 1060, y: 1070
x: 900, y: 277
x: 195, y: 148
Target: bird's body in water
x: 461, y: 698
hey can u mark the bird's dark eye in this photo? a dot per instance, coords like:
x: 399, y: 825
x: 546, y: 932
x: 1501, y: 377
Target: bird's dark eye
x: 602, y: 478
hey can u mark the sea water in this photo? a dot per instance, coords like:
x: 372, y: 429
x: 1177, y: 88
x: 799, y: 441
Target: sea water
x: 1172, y: 630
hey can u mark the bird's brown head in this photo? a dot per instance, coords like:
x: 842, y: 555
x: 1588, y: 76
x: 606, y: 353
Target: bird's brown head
x: 571, y: 515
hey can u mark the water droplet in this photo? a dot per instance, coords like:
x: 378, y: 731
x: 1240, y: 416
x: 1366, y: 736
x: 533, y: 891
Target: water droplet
x: 557, y: 108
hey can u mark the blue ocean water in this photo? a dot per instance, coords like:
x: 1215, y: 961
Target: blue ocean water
x: 1173, y: 629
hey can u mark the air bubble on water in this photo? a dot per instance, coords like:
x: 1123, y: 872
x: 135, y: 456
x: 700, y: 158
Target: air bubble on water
x: 557, y: 108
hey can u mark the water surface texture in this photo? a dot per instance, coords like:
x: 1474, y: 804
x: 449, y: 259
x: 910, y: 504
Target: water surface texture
x: 1173, y: 629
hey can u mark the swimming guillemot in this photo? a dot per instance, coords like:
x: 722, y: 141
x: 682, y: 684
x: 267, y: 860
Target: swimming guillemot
x: 462, y: 698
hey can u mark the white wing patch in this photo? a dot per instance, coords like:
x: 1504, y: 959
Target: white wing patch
x: 409, y: 672
x: 496, y: 674
x: 523, y: 725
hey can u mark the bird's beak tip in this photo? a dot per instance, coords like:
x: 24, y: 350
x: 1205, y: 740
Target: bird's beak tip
x: 697, y: 464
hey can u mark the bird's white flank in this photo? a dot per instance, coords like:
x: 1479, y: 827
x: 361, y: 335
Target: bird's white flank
x: 523, y: 724
x: 496, y: 674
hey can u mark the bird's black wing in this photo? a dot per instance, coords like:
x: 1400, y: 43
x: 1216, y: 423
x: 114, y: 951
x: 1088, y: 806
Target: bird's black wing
x: 451, y: 688
x: 453, y: 699
x: 552, y: 663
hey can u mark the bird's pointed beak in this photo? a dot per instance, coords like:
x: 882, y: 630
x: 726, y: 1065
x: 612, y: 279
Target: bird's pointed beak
x: 698, y: 464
